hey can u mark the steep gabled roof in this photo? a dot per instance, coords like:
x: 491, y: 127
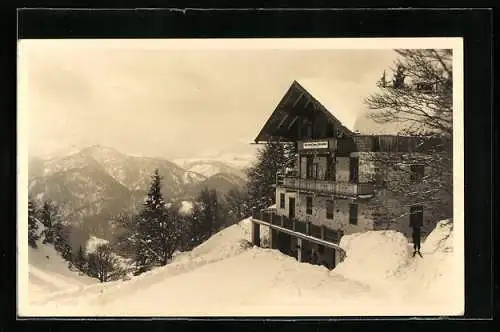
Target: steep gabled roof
x: 322, y: 92
x: 299, y: 102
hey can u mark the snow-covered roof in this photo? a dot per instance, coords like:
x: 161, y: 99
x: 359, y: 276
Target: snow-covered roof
x: 324, y: 92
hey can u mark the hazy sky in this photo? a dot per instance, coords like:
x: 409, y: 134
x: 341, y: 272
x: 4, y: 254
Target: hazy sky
x: 172, y: 103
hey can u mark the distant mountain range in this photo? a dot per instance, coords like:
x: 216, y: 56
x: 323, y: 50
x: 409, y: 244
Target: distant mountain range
x: 96, y: 183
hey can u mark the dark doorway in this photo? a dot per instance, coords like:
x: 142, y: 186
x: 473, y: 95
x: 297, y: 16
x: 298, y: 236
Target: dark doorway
x: 353, y: 169
x: 330, y: 168
x: 284, y: 244
x: 291, y: 207
x: 309, y: 167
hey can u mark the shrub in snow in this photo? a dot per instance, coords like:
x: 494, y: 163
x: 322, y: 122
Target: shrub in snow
x: 103, y: 264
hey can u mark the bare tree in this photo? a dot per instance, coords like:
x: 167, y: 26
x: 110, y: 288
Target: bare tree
x: 424, y: 100
x: 420, y: 97
x: 102, y: 264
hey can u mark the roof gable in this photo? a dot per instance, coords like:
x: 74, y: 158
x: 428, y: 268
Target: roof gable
x: 299, y: 105
x: 323, y: 94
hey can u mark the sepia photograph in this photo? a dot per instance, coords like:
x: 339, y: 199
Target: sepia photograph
x: 240, y: 177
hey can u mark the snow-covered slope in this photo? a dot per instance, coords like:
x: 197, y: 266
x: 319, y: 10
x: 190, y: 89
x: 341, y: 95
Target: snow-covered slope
x: 49, y: 272
x: 383, y: 259
x: 226, y: 276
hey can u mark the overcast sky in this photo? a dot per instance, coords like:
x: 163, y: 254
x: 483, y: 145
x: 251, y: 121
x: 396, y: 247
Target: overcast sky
x: 172, y: 103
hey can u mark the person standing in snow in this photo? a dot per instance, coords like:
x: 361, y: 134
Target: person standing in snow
x: 416, y: 240
x: 416, y: 225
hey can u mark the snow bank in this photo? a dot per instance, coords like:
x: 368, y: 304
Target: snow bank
x: 49, y: 272
x: 383, y: 260
x: 373, y: 255
x: 226, y: 277
x: 440, y: 239
x: 222, y: 245
x: 432, y: 279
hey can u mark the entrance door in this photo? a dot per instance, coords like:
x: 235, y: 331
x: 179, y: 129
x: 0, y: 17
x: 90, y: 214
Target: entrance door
x: 353, y: 169
x: 309, y: 167
x: 291, y: 207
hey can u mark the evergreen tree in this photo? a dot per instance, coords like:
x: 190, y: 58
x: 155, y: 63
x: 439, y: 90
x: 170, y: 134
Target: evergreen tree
x: 80, y: 260
x: 49, y: 217
x: 271, y: 158
x: 55, y: 232
x: 125, y: 231
x: 158, y: 232
x: 62, y: 241
x: 398, y: 81
x: 238, y: 206
x: 183, y: 231
x: 33, y: 235
x: 207, y: 217
x: 150, y: 222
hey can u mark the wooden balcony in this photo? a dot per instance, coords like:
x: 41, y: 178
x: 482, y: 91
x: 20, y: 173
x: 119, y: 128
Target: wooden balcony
x: 328, y: 187
x: 298, y: 226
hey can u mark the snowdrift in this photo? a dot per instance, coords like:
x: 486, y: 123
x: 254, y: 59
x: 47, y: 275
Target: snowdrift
x: 226, y: 276
x: 49, y: 272
x: 373, y: 256
x: 383, y: 260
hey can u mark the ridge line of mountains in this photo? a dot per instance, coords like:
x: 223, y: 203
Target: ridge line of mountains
x: 96, y: 183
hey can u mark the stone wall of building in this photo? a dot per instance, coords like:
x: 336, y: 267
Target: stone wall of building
x: 283, y: 211
x: 396, y: 211
x: 340, y: 219
x: 398, y: 218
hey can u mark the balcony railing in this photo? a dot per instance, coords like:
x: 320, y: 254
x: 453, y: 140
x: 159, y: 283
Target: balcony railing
x: 320, y: 232
x: 325, y: 186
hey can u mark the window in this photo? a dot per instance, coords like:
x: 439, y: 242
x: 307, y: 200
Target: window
x: 416, y: 172
x: 282, y: 201
x: 309, y: 205
x: 329, y: 209
x: 353, y: 214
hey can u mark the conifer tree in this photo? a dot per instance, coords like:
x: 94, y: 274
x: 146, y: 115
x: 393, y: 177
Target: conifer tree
x: 80, y: 260
x: 62, y: 241
x: 157, y: 229
x: 271, y: 158
x: 237, y: 202
x: 150, y: 221
x: 207, y: 217
x: 33, y: 235
x: 49, y: 216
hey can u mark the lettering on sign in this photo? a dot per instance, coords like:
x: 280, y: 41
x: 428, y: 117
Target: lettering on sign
x: 316, y: 145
